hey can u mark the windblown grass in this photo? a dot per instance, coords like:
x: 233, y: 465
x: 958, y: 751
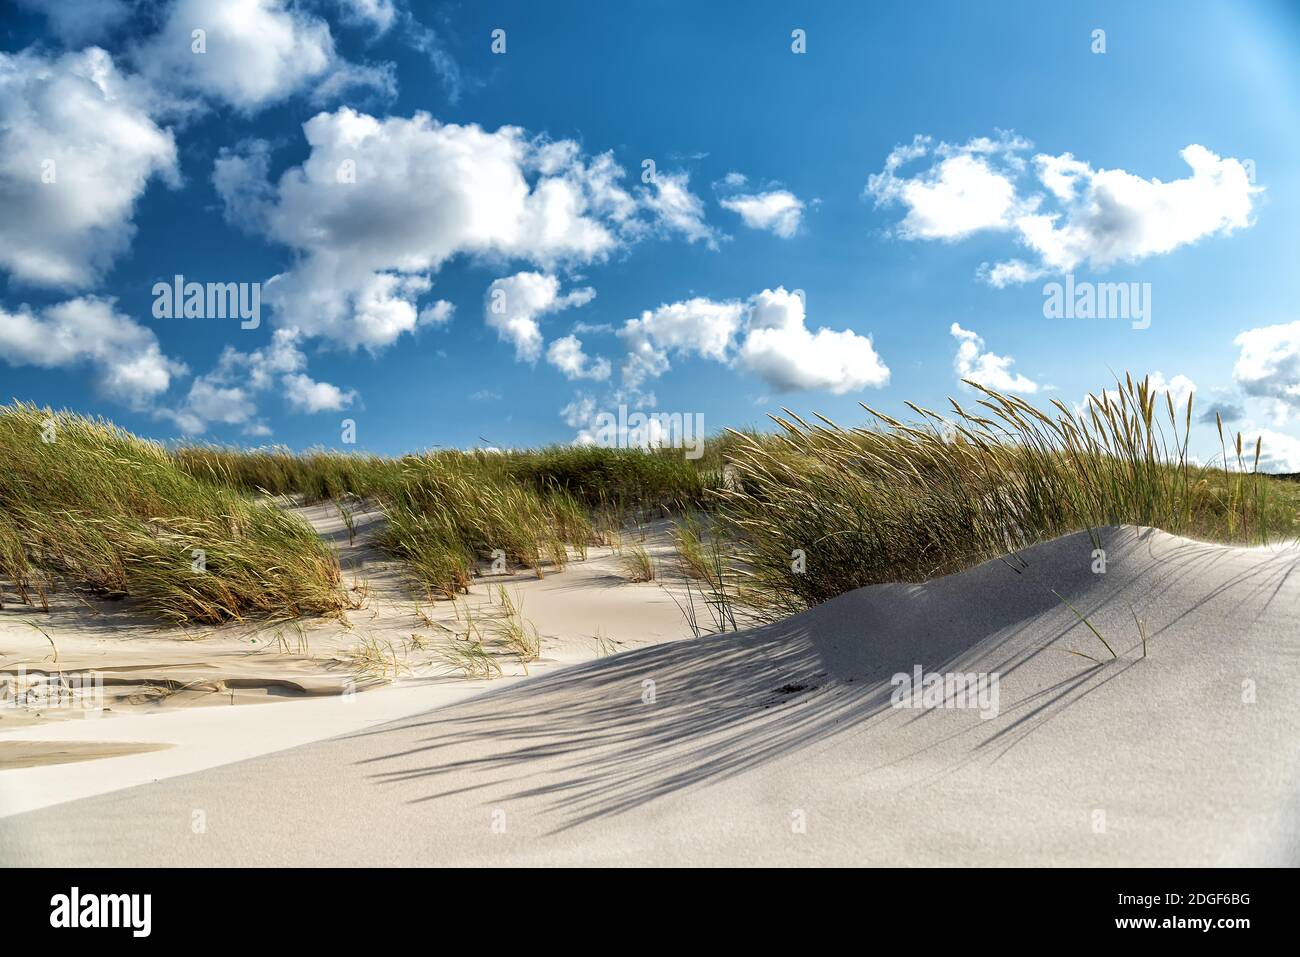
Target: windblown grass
x: 637, y: 563
x: 519, y: 635
x: 817, y: 509
x: 316, y: 476
x: 89, y: 505
x: 624, y: 478
x: 446, y: 512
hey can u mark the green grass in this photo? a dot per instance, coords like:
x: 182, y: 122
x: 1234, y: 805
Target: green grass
x: 637, y: 564
x: 316, y: 476
x: 911, y: 501
x: 446, y: 512
x: 104, y: 512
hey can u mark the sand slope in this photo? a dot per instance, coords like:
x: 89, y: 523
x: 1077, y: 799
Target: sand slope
x: 149, y: 730
x: 779, y: 745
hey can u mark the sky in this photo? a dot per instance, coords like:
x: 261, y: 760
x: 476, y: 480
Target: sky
x: 486, y: 224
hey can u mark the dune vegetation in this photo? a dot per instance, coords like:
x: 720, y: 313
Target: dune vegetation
x: 816, y: 509
x: 88, y: 505
x: 774, y: 521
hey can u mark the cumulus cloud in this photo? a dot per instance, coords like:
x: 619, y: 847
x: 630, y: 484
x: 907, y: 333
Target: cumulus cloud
x: 966, y: 189
x: 127, y: 362
x: 1179, y: 388
x: 779, y: 211
x: 780, y: 349
x: 438, y: 313
x: 514, y: 304
x: 567, y: 355
x: 992, y: 371
x: 1268, y: 366
x: 1222, y: 404
x: 78, y: 147
x: 256, y: 53
x: 305, y: 394
x: 766, y: 335
x: 699, y: 327
x: 381, y: 204
x: 1074, y: 215
x: 229, y: 393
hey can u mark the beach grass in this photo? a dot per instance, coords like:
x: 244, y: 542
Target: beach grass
x: 818, y: 509
x: 773, y: 522
x: 90, y: 506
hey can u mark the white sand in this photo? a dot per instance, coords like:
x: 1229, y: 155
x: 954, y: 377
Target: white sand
x: 1160, y: 760
x: 299, y: 697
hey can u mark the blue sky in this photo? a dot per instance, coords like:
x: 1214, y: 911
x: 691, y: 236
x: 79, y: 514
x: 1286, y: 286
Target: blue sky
x: 474, y: 168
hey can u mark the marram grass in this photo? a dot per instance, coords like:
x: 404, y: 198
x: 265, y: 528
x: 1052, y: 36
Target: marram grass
x: 794, y: 517
x: 90, y: 506
x: 817, y: 509
x: 445, y: 513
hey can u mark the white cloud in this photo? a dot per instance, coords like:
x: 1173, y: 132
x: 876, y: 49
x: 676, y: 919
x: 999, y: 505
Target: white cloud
x: 779, y: 348
x: 257, y: 52
x: 992, y: 371
x: 513, y: 305
x: 128, y: 363
x: 307, y: 395
x: 1120, y: 217
x: 1100, y: 216
x: 1268, y: 366
x: 379, y: 15
x: 438, y: 313
x: 566, y: 355
x: 766, y: 335
x: 228, y: 394
x: 778, y: 210
x: 580, y: 412
x: 1179, y: 388
x: 78, y: 120
x: 1279, y: 452
x: 677, y: 210
x: 698, y: 327
x: 965, y: 191
x: 424, y: 192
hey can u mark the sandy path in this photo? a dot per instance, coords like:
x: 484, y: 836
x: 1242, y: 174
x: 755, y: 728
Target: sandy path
x: 779, y: 745
x: 147, y: 734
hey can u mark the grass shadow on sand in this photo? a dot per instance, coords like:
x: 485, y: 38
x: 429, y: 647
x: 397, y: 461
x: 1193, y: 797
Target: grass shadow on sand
x: 589, y: 743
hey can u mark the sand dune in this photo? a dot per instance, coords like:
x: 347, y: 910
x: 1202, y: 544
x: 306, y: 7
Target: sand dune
x: 168, y: 693
x: 780, y: 745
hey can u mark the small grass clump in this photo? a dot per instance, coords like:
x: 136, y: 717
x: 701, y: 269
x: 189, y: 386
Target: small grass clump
x: 89, y: 505
x: 637, y: 564
x: 446, y: 512
x: 817, y: 510
x: 519, y: 636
